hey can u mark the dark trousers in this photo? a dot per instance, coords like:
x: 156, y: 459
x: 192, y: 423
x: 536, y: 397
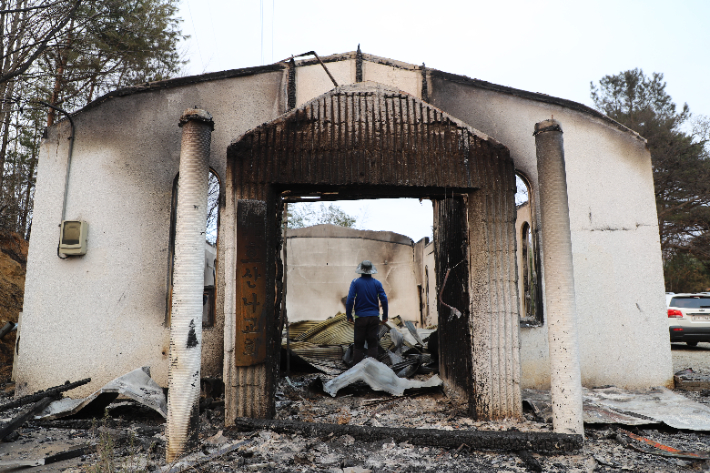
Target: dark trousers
x: 366, y: 328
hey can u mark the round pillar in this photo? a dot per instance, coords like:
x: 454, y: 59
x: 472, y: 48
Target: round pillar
x: 188, y: 283
x: 566, y: 379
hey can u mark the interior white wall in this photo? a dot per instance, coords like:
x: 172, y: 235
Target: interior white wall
x: 321, y: 263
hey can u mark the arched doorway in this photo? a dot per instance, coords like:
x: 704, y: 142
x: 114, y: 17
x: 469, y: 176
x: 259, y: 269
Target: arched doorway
x: 366, y: 140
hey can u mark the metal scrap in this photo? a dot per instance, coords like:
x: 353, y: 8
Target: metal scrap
x: 689, y: 380
x: 137, y: 385
x: 413, y: 331
x: 24, y: 416
x: 328, y: 345
x: 612, y: 405
x: 50, y: 392
x: 645, y: 445
x: 49, y: 459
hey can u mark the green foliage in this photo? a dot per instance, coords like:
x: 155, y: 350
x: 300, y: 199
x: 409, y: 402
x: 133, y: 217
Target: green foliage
x: 307, y: 215
x: 684, y: 273
x: 67, y: 53
x: 680, y: 158
x: 114, y: 43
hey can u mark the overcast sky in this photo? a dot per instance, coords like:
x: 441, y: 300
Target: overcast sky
x: 553, y: 47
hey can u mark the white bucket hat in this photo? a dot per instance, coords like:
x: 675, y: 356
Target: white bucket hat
x: 366, y: 267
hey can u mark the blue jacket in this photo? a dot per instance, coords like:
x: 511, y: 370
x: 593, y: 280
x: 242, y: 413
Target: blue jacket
x: 364, y: 293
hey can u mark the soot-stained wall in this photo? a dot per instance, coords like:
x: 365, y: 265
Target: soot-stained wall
x: 616, y: 251
x: 103, y: 314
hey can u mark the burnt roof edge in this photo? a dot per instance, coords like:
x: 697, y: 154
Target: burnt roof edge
x: 181, y: 81
x: 536, y: 96
x: 280, y: 66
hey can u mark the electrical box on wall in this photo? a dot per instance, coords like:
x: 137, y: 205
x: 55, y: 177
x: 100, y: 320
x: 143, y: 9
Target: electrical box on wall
x: 72, y: 237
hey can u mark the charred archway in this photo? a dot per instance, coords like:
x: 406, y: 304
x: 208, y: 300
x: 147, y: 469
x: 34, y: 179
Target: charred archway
x: 366, y: 140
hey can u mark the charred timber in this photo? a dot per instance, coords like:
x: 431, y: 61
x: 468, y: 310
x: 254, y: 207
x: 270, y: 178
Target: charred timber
x: 539, y: 442
x: 51, y: 392
x: 24, y: 416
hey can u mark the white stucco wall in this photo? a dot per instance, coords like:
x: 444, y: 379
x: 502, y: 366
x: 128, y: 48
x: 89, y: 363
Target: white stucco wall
x: 103, y: 314
x: 312, y: 80
x: 431, y: 317
x: 617, y: 260
x: 321, y: 264
x: 393, y: 74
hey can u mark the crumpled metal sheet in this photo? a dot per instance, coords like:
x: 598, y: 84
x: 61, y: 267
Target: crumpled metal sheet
x: 333, y: 331
x: 397, y: 340
x: 136, y: 385
x: 413, y: 332
x: 379, y: 377
x: 295, y: 329
x: 324, y: 343
x: 612, y: 405
x: 328, y: 359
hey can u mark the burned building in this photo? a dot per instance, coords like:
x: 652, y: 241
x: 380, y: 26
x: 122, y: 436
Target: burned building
x: 388, y: 129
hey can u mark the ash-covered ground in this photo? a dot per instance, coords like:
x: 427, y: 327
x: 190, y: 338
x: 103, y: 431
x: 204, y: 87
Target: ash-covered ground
x: 132, y: 438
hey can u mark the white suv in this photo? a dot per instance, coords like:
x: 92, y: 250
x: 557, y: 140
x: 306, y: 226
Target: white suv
x: 689, y: 317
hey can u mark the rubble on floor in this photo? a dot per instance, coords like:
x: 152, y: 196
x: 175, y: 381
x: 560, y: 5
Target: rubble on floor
x: 132, y: 437
x: 327, y: 345
x: 379, y: 377
x: 690, y: 380
x: 611, y: 405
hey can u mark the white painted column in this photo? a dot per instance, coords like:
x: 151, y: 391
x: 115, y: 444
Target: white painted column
x: 561, y: 312
x: 188, y: 284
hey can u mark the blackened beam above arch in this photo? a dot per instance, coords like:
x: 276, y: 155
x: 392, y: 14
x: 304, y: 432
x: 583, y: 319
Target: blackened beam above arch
x: 368, y: 134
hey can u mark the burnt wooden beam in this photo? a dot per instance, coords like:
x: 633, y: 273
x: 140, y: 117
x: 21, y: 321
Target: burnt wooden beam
x: 539, y: 442
x: 24, y: 416
x: 50, y: 392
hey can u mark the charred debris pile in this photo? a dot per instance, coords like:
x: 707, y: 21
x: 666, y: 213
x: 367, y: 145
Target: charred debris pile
x: 327, y: 346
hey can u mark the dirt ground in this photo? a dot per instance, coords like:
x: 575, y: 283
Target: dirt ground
x: 13, y: 259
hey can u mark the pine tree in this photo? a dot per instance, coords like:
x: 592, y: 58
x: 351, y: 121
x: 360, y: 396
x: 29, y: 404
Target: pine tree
x: 67, y: 53
x: 681, y: 164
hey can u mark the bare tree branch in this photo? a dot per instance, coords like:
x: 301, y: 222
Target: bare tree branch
x: 41, y: 46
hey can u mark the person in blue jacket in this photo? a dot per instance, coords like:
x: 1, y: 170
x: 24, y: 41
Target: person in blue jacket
x: 365, y: 292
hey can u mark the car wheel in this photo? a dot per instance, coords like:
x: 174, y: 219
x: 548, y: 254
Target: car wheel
x: 692, y: 344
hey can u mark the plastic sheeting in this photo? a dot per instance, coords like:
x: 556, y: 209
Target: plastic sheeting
x: 379, y: 377
x: 136, y: 385
x: 612, y: 405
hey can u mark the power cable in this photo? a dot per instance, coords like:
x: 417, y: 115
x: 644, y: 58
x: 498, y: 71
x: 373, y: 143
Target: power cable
x: 192, y: 20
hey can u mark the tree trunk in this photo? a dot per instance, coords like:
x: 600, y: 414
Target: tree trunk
x: 28, y: 191
x: 59, y: 77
